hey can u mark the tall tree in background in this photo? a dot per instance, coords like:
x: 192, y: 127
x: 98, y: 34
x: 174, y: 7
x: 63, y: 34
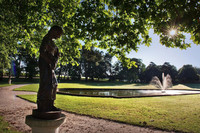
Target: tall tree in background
x: 198, y: 70
x: 151, y: 71
x: 103, y: 69
x: 157, y: 70
x: 74, y: 72
x: 116, y: 68
x: 108, y: 64
x: 132, y: 74
x: 188, y: 74
x: 90, y: 59
x: 167, y: 68
x: 31, y: 66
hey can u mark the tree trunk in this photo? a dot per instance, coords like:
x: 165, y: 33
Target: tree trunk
x: 86, y: 78
x: 9, y: 77
x: 64, y: 75
x: 92, y: 78
x: 1, y: 74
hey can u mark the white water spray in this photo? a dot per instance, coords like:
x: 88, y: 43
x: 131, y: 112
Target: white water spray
x: 166, y: 82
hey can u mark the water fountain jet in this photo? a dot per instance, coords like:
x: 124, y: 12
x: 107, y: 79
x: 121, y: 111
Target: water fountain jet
x: 166, y: 82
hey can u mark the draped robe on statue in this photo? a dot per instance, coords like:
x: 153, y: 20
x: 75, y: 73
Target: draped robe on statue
x: 49, y: 55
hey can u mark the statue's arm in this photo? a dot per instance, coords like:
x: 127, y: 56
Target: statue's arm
x: 46, y: 55
x: 57, y: 54
x: 55, y: 59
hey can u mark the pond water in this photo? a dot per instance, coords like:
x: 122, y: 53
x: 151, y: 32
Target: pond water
x: 125, y: 93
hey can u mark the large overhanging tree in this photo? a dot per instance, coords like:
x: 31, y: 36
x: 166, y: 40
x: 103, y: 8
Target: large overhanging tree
x: 118, y: 26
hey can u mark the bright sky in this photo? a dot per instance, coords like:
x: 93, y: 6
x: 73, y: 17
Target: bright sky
x: 159, y: 54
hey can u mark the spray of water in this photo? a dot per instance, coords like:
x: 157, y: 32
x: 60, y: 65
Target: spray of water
x: 166, y: 82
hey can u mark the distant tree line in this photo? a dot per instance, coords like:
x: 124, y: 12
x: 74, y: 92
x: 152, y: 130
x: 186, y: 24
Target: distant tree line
x: 186, y: 74
x: 94, y: 64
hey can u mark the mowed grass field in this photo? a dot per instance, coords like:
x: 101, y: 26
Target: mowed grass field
x: 171, y: 113
x: 104, y: 85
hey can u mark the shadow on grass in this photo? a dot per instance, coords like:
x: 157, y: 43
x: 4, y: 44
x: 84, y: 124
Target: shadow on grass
x: 193, y: 85
x: 81, y: 82
x: 96, y: 83
x: 19, y: 81
x: 140, y: 84
x: 105, y: 83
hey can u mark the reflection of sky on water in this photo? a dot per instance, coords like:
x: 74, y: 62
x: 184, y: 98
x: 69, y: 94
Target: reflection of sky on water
x: 128, y: 92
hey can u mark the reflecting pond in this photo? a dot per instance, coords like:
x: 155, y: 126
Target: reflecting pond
x: 125, y: 93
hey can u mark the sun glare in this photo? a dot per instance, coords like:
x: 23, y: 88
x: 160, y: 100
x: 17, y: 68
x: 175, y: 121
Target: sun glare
x: 172, y: 32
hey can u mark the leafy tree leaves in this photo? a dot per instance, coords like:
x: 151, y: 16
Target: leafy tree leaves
x: 117, y: 26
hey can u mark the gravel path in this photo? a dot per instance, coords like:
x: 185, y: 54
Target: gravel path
x: 14, y: 110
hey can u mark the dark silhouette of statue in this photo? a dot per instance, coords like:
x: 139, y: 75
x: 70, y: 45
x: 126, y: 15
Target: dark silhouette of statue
x: 48, y: 59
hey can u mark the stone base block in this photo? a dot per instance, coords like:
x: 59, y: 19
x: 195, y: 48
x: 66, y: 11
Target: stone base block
x: 44, y: 126
x: 50, y: 115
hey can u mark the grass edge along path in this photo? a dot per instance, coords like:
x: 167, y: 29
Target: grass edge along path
x: 171, y: 113
x: 5, y: 127
x: 4, y: 85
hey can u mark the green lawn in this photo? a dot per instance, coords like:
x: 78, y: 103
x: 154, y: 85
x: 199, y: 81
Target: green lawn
x: 31, y: 87
x: 4, y: 85
x: 104, y: 85
x: 5, y: 128
x: 173, y: 113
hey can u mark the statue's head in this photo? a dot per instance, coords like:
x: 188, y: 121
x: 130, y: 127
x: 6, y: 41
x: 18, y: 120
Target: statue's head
x: 55, y: 32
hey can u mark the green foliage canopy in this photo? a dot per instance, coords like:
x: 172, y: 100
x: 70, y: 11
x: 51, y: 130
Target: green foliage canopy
x: 117, y: 26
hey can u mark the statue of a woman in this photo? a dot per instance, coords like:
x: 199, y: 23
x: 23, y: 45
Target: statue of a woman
x: 49, y: 55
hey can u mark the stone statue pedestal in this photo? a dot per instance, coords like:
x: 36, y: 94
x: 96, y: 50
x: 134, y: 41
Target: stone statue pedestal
x: 49, y: 115
x: 44, y: 125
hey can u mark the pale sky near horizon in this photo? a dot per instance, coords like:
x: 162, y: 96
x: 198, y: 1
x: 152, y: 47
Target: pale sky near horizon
x: 159, y: 54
